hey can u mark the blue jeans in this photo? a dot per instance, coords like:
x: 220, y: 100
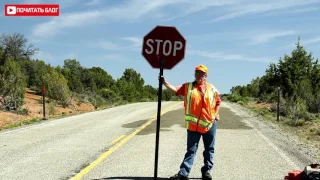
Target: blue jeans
x: 192, y: 147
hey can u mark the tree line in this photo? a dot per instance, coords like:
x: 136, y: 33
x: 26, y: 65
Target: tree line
x: 94, y: 85
x: 298, y: 77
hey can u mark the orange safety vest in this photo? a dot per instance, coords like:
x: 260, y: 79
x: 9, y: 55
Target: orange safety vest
x: 200, y: 110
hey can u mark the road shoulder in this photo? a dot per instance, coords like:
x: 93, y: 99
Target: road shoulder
x: 286, y: 141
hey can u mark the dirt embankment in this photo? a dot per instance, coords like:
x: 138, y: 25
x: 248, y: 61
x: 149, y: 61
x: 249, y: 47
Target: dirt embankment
x: 33, y: 104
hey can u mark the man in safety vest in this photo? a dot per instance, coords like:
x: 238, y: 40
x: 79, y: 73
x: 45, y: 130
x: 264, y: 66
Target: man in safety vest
x: 202, y: 105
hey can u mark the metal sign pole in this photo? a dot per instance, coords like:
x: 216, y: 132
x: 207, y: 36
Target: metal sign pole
x: 158, y: 120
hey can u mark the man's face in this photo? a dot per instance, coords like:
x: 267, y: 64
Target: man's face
x: 200, y: 77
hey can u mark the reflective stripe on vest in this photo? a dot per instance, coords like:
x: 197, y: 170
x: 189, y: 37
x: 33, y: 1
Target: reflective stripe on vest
x: 190, y: 118
x: 212, y: 96
x: 189, y: 95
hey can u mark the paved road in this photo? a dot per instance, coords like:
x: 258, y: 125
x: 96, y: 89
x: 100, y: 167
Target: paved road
x: 119, y: 143
x: 58, y: 149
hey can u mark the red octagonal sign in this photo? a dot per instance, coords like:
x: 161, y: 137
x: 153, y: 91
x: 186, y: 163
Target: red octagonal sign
x: 164, y: 42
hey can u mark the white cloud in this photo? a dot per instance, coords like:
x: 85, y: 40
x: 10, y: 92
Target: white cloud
x: 70, y: 55
x: 221, y: 56
x: 185, y: 23
x: 32, y: 2
x: 132, y: 43
x: 67, y: 3
x: 108, y: 45
x: 266, y: 37
x: 136, y: 41
x: 54, y: 59
x: 65, y: 21
x: 114, y: 57
x: 251, y: 7
x: 304, y: 43
x: 299, y: 10
x: 47, y: 57
x: 191, y: 7
x: 244, y: 36
x: 305, y: 9
x: 94, y: 2
x: 311, y: 41
x: 63, y: 4
x: 131, y: 10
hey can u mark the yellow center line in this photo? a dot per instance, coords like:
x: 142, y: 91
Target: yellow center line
x: 119, y: 144
x: 118, y: 139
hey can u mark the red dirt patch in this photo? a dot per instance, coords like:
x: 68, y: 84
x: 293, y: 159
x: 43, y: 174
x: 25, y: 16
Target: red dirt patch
x: 33, y: 103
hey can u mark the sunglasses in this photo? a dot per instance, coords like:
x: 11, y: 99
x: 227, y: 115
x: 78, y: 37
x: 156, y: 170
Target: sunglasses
x: 201, y: 74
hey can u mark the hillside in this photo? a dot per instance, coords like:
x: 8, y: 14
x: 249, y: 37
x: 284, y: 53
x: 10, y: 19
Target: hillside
x: 67, y: 84
x: 33, y: 103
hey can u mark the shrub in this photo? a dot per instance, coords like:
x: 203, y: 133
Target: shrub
x: 97, y: 101
x: 296, y: 108
x: 145, y: 100
x: 237, y: 98
x: 109, y: 95
x: 23, y: 111
x: 12, y: 86
x: 83, y: 98
x: 57, y: 87
x: 308, y: 116
x: 52, y: 108
x: 241, y: 102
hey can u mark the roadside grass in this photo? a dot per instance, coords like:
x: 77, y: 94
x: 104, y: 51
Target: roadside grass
x: 21, y: 123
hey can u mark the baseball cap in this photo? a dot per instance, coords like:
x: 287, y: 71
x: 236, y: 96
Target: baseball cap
x: 202, y: 68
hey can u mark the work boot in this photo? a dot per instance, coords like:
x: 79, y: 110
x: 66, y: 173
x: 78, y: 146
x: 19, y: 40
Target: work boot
x: 206, y: 176
x: 179, y: 177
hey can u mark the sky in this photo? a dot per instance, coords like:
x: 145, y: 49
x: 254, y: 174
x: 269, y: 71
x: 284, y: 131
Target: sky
x: 235, y: 39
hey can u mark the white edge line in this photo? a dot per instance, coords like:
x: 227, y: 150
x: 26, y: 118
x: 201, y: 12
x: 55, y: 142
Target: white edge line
x: 281, y: 153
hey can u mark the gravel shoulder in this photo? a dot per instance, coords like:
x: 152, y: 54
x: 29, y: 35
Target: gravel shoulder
x: 289, y: 144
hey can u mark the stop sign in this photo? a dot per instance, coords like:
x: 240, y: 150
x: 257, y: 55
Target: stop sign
x: 164, y: 42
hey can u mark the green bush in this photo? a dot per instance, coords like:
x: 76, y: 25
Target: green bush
x: 52, y: 108
x: 145, y: 100
x: 83, y: 98
x: 308, y: 116
x: 241, y: 102
x: 236, y: 98
x: 23, y: 111
x: 296, y: 109
x: 12, y: 85
x: 109, y: 95
x: 97, y: 101
x: 57, y: 87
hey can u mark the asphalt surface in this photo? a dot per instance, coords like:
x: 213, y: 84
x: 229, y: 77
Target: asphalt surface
x: 242, y: 152
x: 118, y: 144
x: 57, y: 149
